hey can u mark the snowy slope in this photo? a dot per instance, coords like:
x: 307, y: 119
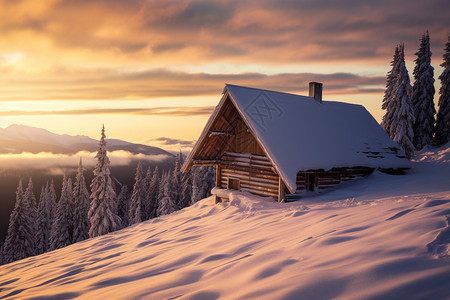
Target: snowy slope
x: 365, y: 240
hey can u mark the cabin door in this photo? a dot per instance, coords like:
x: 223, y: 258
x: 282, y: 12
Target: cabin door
x: 310, y: 182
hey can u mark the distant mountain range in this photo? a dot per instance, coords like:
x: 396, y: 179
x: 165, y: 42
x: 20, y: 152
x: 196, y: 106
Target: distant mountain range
x: 17, y: 139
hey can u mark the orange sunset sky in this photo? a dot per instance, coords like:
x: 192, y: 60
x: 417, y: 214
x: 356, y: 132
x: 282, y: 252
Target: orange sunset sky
x: 152, y: 71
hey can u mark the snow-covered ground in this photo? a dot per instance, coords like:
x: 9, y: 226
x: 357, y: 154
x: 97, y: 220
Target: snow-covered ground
x: 383, y: 237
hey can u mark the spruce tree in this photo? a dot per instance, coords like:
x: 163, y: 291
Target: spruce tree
x: 19, y: 242
x: 32, y: 210
x: 146, y: 205
x: 62, y: 230
x: 203, y: 180
x: 388, y: 100
x: 123, y: 208
x: 51, y: 194
x: 81, y: 203
x: 103, y: 198
x: 423, y: 95
x: 443, y: 116
x: 44, y: 221
x: 152, y: 194
x: 186, y: 194
x: 166, y: 204
x: 401, y: 129
x: 136, y: 214
x: 2, y: 260
x: 175, y: 183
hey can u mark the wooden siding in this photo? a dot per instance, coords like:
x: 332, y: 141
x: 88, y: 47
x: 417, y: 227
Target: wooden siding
x: 228, y: 133
x: 321, y: 180
x: 254, y: 172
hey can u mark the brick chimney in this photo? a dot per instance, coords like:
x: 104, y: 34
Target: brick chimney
x: 315, y: 91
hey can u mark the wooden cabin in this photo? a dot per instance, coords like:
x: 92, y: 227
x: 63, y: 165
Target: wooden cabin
x: 284, y: 145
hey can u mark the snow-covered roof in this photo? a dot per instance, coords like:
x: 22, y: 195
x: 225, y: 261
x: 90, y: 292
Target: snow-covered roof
x: 299, y: 133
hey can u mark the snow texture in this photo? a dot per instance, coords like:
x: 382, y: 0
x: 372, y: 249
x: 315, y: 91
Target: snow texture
x: 378, y: 238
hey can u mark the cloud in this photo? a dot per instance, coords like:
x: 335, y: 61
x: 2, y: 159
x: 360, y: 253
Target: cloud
x: 162, y: 111
x: 59, y: 162
x: 106, y: 84
x: 266, y: 31
x: 171, y: 141
x: 172, y: 144
x: 126, y: 50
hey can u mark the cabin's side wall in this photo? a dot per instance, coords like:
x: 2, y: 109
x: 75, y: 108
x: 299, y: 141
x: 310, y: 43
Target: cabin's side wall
x: 321, y: 180
x: 254, y: 173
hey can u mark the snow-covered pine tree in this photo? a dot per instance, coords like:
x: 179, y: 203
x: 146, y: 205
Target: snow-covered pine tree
x: 81, y: 204
x: 423, y: 95
x: 32, y: 209
x: 51, y: 194
x: 103, y: 198
x: 402, y: 126
x: 203, y: 180
x: 61, y: 234
x: 443, y: 116
x: 161, y: 187
x: 19, y: 242
x: 175, y: 183
x: 152, y: 194
x: 166, y: 204
x: 186, y: 194
x: 2, y: 260
x: 388, y: 104
x: 123, y: 208
x: 146, y: 206
x: 136, y: 214
x: 196, y: 183
x: 44, y: 225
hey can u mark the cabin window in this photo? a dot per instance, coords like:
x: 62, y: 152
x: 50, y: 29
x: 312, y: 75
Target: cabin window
x: 234, y: 184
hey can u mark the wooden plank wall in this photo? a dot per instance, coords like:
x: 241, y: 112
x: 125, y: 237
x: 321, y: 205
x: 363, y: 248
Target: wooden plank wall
x: 325, y: 180
x: 255, y: 173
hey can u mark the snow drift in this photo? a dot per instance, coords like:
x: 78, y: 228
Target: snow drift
x: 383, y: 237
